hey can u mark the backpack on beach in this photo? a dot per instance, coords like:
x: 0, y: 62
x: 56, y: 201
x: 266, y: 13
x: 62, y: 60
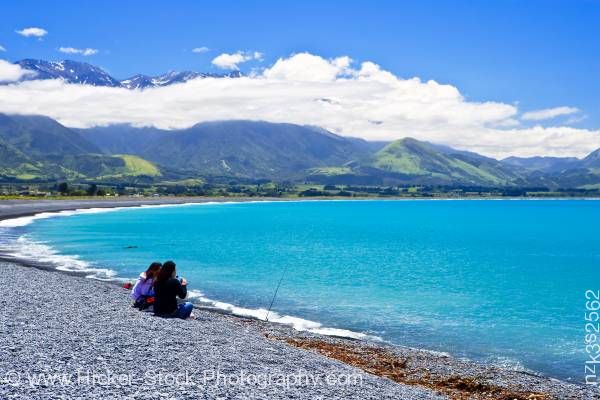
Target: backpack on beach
x: 144, y: 302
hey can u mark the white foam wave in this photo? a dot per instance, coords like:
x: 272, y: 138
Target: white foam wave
x: 508, y: 363
x: 24, y: 221
x: 25, y: 248
x: 298, y: 324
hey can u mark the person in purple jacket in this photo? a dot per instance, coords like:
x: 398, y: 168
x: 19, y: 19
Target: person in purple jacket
x: 143, y: 289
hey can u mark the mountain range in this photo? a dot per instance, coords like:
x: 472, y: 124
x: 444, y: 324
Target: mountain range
x: 88, y: 74
x: 36, y: 148
x: 39, y: 148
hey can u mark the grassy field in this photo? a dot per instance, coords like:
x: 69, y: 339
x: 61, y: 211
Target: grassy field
x: 138, y: 166
x: 331, y: 171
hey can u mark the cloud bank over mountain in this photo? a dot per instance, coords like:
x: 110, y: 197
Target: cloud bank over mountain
x: 337, y: 94
x: 11, y: 72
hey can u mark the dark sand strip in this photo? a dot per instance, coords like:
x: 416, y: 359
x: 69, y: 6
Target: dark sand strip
x: 21, y: 208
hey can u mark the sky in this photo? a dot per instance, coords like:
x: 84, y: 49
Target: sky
x: 500, y: 77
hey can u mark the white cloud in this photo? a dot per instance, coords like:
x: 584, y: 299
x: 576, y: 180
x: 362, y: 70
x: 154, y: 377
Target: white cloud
x: 33, y: 32
x: 83, y: 52
x: 309, y: 68
x: 2, y: 48
x: 575, y: 119
x: 363, y: 100
x: 549, y: 113
x: 232, y: 61
x: 202, y: 49
x: 10, y: 72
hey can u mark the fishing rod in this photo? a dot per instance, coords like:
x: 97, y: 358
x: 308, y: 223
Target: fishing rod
x: 275, y: 294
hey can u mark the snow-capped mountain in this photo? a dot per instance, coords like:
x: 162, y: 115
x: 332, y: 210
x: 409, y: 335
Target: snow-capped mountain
x: 70, y: 71
x: 84, y: 73
x: 144, y: 81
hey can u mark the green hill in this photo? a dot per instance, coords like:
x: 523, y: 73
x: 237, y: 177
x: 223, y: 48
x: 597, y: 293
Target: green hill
x: 39, y: 148
x: 248, y: 149
x: 409, y: 161
x: 420, y: 159
x: 251, y: 149
x: 586, y: 175
x: 137, y: 166
x: 14, y: 164
x: 106, y: 167
x: 40, y: 136
x: 11, y: 157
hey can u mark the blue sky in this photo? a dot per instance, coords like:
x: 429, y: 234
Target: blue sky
x: 535, y: 54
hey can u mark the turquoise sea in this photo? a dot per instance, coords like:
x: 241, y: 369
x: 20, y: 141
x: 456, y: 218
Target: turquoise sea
x: 497, y: 281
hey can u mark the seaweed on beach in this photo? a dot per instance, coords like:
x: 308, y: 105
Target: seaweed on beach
x: 381, y: 362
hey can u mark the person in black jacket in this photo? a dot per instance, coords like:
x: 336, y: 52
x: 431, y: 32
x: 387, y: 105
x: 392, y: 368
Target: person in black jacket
x: 167, y: 287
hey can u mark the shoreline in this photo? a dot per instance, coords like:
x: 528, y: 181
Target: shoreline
x: 392, y: 371
x: 446, y: 366
x: 98, y: 346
